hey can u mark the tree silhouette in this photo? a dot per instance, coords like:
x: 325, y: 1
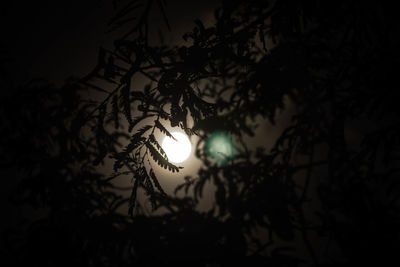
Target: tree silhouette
x: 326, y: 193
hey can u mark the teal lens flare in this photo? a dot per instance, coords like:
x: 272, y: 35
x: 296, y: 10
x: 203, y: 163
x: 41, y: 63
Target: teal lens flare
x: 220, y: 148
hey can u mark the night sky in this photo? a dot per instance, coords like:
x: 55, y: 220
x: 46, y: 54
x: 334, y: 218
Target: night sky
x: 55, y: 40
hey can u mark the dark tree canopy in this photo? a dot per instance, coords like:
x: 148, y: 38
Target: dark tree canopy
x: 327, y: 192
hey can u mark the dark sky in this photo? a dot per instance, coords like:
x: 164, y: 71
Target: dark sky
x: 56, y: 39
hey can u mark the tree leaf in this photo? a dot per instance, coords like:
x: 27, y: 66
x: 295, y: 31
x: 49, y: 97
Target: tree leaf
x: 160, y: 160
x: 126, y: 105
x: 141, y: 131
x: 136, y: 140
x: 155, y: 181
x: 158, y: 124
x: 153, y: 140
x: 132, y: 198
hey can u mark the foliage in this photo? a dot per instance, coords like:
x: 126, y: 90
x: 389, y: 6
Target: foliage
x: 317, y: 188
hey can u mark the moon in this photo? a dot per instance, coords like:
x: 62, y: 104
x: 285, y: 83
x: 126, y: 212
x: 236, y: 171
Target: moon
x: 177, y: 151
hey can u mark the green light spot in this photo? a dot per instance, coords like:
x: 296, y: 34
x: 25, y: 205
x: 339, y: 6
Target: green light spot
x: 220, y: 148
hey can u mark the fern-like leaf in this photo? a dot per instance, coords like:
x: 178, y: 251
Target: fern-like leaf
x: 101, y: 136
x: 150, y: 192
x: 136, y: 140
x: 155, y: 181
x: 141, y: 132
x: 153, y: 140
x: 158, y: 124
x: 126, y: 105
x: 160, y: 160
x: 132, y: 199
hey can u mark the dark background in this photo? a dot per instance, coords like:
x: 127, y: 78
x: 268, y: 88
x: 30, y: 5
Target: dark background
x: 57, y: 39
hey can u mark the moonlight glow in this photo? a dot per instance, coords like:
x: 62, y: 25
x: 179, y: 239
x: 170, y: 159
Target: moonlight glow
x: 177, y: 151
x: 220, y: 148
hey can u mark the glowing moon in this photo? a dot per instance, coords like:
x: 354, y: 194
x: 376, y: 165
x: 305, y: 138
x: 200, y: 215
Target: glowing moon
x: 177, y: 151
